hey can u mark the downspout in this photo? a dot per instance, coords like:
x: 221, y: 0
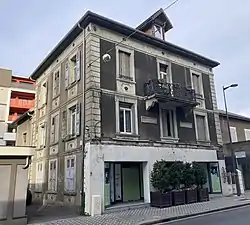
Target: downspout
x: 83, y: 120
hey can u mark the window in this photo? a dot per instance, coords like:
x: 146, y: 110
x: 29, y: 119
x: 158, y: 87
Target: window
x: 124, y: 64
x: 196, y: 79
x: 52, y: 179
x: 39, y: 176
x: 233, y: 132
x: 125, y: 118
x: 247, y: 134
x: 158, y: 31
x: 56, y: 83
x: 25, y: 138
x: 73, y: 69
x: 42, y: 135
x: 42, y: 94
x: 168, y: 123
x: 73, y: 120
x: 201, y: 128
x: 164, y: 72
x: 54, y: 128
x: 70, y: 174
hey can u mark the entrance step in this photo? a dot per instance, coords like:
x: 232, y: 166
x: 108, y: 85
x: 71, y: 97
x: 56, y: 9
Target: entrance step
x: 126, y: 206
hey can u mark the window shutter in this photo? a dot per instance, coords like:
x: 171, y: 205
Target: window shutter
x: 53, y: 130
x: 64, y: 124
x: 66, y: 74
x: 44, y: 135
x: 78, y: 65
x: 78, y: 119
x: 46, y: 93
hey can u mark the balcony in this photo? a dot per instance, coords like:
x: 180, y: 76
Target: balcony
x: 22, y: 103
x: 8, y: 136
x: 173, y: 94
x: 13, y: 117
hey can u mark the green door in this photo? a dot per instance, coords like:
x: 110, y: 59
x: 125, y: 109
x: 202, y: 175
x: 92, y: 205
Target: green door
x: 130, y: 183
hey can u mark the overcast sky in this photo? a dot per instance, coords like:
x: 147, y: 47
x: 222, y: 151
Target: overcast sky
x: 218, y: 29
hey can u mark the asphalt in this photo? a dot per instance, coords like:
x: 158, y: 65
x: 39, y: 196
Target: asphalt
x: 237, y: 216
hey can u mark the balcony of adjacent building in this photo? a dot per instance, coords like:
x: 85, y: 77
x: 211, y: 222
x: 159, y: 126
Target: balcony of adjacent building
x: 173, y: 94
x: 22, y: 103
x: 13, y: 116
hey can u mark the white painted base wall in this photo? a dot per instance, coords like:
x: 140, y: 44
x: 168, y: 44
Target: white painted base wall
x: 98, y: 154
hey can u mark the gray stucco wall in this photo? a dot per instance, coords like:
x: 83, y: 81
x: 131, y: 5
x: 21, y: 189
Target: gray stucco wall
x: 25, y: 127
x: 240, y: 126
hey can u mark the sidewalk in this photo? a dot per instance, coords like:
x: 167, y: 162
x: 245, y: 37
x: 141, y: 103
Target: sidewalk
x: 149, y: 215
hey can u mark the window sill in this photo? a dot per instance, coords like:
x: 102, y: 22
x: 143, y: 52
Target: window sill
x: 71, y: 85
x: 203, y: 142
x: 38, y: 191
x: 70, y: 193
x: 69, y: 138
x: 127, y: 136
x: 126, y: 80
x: 51, y: 192
x: 53, y: 144
x: 56, y: 96
x: 169, y: 140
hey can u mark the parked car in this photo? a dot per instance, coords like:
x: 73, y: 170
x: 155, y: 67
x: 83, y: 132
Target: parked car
x: 29, y: 197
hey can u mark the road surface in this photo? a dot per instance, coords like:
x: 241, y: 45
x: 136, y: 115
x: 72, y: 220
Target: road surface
x: 238, y: 216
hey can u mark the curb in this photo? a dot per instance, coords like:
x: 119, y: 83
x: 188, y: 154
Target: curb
x: 156, y: 221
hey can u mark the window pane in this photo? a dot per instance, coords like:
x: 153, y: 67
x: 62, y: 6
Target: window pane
x: 124, y: 63
x: 72, y: 162
x: 196, y: 83
x: 163, y: 68
x: 201, y: 127
x: 68, y: 163
x: 128, y: 121
x: 121, y: 120
x: 167, y: 123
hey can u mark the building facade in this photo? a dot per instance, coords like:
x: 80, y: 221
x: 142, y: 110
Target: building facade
x: 240, y: 133
x: 17, y: 95
x: 124, y: 103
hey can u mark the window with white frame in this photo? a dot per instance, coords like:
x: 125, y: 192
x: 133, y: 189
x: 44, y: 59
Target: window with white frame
x: 233, y: 132
x: 52, y: 179
x: 70, y: 174
x: 247, y: 134
x: 201, y: 127
x: 42, y: 135
x: 197, y: 84
x: 39, y: 176
x: 158, y: 31
x: 124, y: 65
x: 168, y: 123
x: 125, y: 118
x: 73, y: 72
x: 73, y: 120
x: 56, y: 83
x: 42, y: 94
x: 54, y: 128
x: 164, y: 72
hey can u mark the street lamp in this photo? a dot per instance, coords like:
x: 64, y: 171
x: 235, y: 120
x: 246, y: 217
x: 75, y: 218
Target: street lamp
x: 230, y: 139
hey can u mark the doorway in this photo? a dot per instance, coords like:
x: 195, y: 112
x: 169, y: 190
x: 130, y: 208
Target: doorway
x: 123, y: 182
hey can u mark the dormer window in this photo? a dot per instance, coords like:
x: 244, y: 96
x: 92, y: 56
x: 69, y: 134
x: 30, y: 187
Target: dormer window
x: 158, y: 31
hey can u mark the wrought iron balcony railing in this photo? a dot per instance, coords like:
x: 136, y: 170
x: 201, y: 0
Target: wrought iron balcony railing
x: 173, y: 91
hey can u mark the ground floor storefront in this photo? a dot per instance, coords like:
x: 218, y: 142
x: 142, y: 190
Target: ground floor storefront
x: 116, y: 174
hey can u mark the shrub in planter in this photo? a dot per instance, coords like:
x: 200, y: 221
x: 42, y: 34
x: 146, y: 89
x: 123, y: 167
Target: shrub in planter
x: 189, y: 181
x: 160, y: 181
x: 176, y: 180
x: 200, y: 180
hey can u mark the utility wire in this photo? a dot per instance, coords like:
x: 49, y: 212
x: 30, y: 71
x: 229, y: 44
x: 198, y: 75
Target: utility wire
x: 126, y: 38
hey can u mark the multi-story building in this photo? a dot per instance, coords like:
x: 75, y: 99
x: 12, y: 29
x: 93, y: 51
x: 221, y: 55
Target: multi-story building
x: 125, y: 97
x: 17, y: 95
x: 240, y: 134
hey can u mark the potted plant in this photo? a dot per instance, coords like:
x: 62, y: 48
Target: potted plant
x: 189, y: 181
x: 200, y: 180
x: 160, y: 181
x: 176, y: 180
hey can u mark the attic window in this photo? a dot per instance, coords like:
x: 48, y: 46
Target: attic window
x: 158, y: 31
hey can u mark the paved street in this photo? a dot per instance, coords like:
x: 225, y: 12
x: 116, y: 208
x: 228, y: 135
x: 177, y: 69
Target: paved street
x: 239, y: 216
x: 149, y: 214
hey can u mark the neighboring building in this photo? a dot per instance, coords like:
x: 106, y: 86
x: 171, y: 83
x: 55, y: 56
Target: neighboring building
x: 149, y: 100
x: 17, y: 95
x: 240, y: 133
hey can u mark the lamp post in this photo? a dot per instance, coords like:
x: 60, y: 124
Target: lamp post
x: 230, y: 139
